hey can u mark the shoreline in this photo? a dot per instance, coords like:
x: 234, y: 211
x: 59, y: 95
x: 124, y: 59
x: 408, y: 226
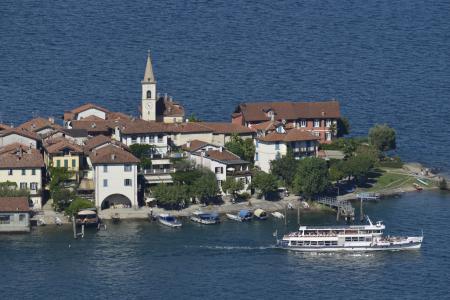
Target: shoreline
x: 411, y: 169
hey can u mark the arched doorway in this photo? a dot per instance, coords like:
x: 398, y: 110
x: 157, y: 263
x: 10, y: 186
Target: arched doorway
x: 117, y: 200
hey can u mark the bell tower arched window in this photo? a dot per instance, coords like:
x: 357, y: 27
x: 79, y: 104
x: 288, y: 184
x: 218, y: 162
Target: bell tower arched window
x: 149, y: 94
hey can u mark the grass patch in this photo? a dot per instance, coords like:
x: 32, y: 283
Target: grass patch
x: 387, y: 180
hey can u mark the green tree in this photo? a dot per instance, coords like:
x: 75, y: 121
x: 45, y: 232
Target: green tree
x: 143, y: 152
x: 193, y: 118
x: 382, y: 137
x: 359, y: 167
x: 336, y: 171
x: 342, y: 127
x: 265, y: 183
x: 312, y: 177
x: 186, y: 177
x: 58, y: 192
x: 244, y: 148
x: 232, y: 186
x: 443, y: 184
x: 285, y: 167
x: 62, y: 198
x: 78, y: 204
x: 171, y: 196
x: 206, y: 187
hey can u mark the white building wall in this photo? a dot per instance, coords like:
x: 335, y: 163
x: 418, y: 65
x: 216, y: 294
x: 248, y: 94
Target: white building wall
x: 160, y: 143
x: 182, y: 138
x: 115, y: 176
x: 266, y: 152
x: 15, y: 138
x: 91, y: 112
x: 28, y: 178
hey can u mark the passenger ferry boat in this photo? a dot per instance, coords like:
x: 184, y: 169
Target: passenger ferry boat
x: 346, y: 238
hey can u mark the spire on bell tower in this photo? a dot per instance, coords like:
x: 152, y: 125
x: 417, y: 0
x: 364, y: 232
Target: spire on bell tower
x: 148, y: 75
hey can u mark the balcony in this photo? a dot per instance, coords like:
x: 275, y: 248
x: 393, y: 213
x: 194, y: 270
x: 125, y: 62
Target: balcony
x: 158, y: 171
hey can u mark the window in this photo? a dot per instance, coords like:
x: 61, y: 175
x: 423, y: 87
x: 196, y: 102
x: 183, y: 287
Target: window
x: 127, y: 182
x: 66, y: 163
x: 10, y: 172
x: 277, y: 146
x: 127, y: 168
x: 316, y: 133
x: 23, y: 185
x: 316, y: 123
x: 22, y: 217
x: 105, y: 182
x: 74, y: 163
x: 219, y: 170
x: 256, y: 156
x: 58, y: 163
x: 152, y: 139
x: 4, y: 219
x: 303, y: 123
x: 105, y: 169
x: 33, y: 171
x: 33, y: 186
x: 149, y: 94
x: 24, y: 172
x: 328, y: 123
x: 328, y: 136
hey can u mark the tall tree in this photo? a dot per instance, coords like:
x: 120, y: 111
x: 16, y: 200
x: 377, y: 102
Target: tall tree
x: 232, y: 186
x: 342, y: 127
x: 311, y: 178
x: 143, y: 152
x: 265, y: 183
x: 382, y: 137
x: 285, y: 167
x: 206, y: 187
x: 245, y: 149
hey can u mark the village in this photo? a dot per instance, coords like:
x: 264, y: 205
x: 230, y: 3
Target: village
x: 164, y: 159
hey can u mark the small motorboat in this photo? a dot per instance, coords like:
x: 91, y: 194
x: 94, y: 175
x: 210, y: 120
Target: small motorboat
x: 41, y: 222
x: 58, y: 221
x: 205, y: 218
x: 242, y: 216
x: 277, y: 215
x: 260, y: 214
x: 87, y: 217
x: 417, y: 187
x: 168, y: 220
x: 115, y: 218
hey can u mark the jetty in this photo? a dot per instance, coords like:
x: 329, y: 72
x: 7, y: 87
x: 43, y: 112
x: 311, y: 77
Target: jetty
x: 343, y: 207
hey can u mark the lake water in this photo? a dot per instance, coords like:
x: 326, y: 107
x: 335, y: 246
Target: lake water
x: 229, y: 261
x: 385, y: 61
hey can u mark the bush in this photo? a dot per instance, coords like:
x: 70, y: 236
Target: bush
x: 443, y: 184
x: 77, y: 205
x: 391, y: 162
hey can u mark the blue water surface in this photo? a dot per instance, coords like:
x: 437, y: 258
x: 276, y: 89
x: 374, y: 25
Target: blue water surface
x: 385, y: 61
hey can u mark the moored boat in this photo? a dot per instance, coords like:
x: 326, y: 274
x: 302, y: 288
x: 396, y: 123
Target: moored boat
x: 260, y: 214
x: 242, y: 216
x: 205, y: 218
x: 417, y: 187
x: 168, y: 220
x: 277, y: 215
x: 346, y: 238
x: 87, y: 217
x: 115, y: 218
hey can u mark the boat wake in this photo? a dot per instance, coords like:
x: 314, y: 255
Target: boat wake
x: 233, y: 248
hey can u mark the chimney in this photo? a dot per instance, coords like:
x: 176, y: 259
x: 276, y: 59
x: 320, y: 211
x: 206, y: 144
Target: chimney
x: 272, y: 117
x: 188, y: 144
x: 220, y: 149
x: 51, y: 120
x: 165, y: 96
x: 203, y: 153
x: 170, y: 99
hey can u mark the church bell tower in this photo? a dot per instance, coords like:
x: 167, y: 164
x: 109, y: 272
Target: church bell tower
x: 148, y: 103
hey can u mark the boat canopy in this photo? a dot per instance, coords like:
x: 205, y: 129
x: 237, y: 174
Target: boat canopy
x: 260, y: 213
x: 86, y: 212
x: 244, y: 213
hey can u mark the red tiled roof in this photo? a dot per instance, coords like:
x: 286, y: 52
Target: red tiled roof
x: 100, y: 140
x: 112, y: 155
x: 14, y: 204
x: 190, y: 127
x: 37, y: 124
x: 227, y: 128
x: 21, y: 132
x: 87, y: 106
x: 21, y: 157
x: 138, y: 126
x: 257, y: 112
x: 92, y: 126
x: 292, y: 135
x: 56, y: 146
x: 4, y: 126
x: 194, y: 145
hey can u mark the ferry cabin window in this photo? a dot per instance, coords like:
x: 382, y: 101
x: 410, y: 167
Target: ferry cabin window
x: 327, y: 243
x: 293, y: 243
x: 321, y: 243
x: 354, y: 239
x: 348, y: 239
x: 361, y: 239
x: 313, y: 243
x: 306, y: 243
x: 334, y: 243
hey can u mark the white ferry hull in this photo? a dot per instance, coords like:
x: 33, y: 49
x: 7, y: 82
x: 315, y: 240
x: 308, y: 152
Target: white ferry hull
x: 352, y: 249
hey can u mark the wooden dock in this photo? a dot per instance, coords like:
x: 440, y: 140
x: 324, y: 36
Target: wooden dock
x: 343, y: 207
